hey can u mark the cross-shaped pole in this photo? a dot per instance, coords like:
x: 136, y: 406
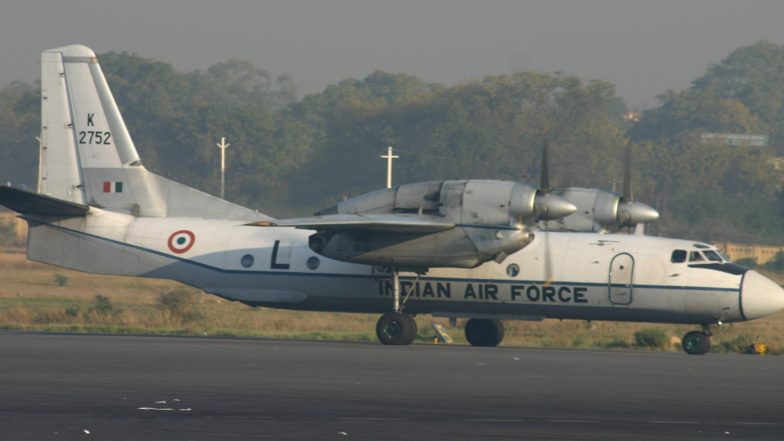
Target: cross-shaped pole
x: 223, y: 146
x: 389, y: 157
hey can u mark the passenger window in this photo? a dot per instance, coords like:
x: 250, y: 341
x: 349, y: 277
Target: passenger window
x: 678, y: 256
x: 695, y: 256
x: 713, y: 256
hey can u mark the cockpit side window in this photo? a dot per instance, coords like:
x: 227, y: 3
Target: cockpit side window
x: 695, y: 256
x: 678, y: 256
x: 713, y: 256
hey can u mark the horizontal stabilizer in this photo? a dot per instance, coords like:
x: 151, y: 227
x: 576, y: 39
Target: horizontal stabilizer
x: 26, y: 202
x: 386, y: 222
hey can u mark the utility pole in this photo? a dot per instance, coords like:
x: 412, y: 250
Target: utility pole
x: 223, y: 146
x: 389, y: 157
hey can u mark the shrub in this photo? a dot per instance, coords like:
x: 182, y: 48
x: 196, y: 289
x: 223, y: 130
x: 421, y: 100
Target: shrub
x: 6, y: 233
x: 652, y: 338
x: 178, y: 304
x: 616, y: 343
x: 60, y: 279
x: 748, y: 262
x: 102, y: 306
x: 776, y: 264
x: 741, y: 344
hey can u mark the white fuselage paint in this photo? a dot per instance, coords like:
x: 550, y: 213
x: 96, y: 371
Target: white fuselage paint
x: 575, y: 283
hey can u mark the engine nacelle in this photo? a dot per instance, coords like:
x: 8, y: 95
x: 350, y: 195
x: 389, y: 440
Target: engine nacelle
x: 489, y: 218
x: 601, y: 210
x: 461, y: 247
x: 477, y: 202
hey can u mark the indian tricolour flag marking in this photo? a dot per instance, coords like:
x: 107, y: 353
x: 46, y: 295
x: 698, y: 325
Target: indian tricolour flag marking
x: 112, y: 187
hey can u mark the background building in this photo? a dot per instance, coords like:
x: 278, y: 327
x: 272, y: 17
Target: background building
x: 762, y: 254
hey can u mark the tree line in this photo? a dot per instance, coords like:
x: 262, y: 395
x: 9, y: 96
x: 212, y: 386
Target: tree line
x: 292, y: 155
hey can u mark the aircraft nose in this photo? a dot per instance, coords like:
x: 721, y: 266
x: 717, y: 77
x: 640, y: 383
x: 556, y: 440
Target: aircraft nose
x: 760, y: 296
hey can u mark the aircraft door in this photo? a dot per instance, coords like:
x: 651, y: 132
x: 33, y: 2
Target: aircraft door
x: 621, y: 279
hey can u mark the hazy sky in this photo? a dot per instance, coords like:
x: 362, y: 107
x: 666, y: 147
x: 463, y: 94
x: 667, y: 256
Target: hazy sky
x: 643, y: 46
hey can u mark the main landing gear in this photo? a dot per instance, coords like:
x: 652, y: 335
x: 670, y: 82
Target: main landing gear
x: 396, y: 327
x: 399, y: 328
x: 697, y: 342
x: 484, y: 332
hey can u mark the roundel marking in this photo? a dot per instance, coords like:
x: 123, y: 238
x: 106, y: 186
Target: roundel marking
x: 181, y: 241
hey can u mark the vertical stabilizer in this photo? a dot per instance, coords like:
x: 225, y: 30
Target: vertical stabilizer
x: 88, y: 156
x: 87, y: 153
x: 59, y: 172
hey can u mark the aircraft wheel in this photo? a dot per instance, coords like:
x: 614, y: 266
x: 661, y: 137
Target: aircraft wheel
x: 484, y: 332
x: 395, y: 328
x: 696, y: 342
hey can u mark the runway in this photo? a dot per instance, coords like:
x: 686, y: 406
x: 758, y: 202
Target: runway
x: 102, y: 387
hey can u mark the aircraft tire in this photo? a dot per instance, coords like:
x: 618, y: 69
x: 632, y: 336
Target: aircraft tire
x: 484, y: 332
x: 696, y: 342
x: 395, y: 328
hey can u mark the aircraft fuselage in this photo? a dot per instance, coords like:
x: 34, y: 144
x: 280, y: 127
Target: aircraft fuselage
x: 582, y: 275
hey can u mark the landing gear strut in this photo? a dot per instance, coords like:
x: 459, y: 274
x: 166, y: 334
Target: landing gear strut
x: 396, y: 327
x: 697, y: 342
x: 484, y: 332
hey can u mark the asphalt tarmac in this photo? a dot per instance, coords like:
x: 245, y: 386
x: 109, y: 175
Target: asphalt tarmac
x: 101, y: 387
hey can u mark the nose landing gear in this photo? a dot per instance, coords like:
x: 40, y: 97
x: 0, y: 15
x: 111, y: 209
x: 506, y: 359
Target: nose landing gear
x: 396, y: 328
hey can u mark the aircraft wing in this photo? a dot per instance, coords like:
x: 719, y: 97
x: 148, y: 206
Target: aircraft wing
x: 398, y: 223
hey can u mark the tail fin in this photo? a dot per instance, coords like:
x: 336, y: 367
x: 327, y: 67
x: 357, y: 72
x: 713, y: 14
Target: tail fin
x: 81, y: 127
x: 88, y: 156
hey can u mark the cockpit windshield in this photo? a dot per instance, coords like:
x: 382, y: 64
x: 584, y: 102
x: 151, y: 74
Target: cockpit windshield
x: 705, y: 258
x: 696, y: 256
x: 713, y: 256
x: 703, y: 255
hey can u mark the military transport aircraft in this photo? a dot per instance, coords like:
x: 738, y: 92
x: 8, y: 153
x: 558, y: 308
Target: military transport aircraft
x: 459, y: 249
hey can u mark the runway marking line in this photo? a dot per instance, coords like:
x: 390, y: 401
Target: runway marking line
x: 672, y: 422
x: 370, y: 419
x: 754, y: 423
x: 573, y: 421
x: 493, y: 420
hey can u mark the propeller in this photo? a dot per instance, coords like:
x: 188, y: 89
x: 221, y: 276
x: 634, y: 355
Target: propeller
x: 548, y: 206
x: 557, y: 204
x: 630, y: 212
x: 627, y: 174
x: 545, y: 171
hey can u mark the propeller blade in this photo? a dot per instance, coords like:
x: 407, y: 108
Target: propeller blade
x: 548, y: 260
x: 631, y: 213
x: 548, y: 206
x: 627, y: 175
x: 545, y: 171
